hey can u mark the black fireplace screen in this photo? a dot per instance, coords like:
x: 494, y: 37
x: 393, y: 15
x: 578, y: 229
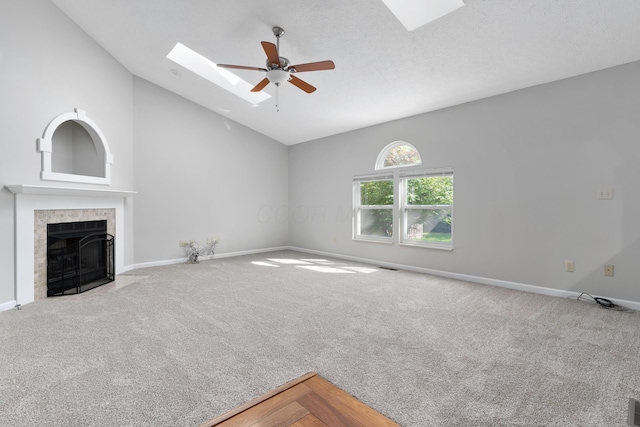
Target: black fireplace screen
x: 80, y: 257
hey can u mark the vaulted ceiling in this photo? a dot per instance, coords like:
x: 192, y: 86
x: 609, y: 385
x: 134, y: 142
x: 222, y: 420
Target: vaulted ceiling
x: 383, y: 72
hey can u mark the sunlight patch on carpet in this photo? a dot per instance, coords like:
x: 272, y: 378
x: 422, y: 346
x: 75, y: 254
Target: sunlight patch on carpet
x: 325, y: 269
x: 365, y: 270
x: 264, y: 264
x: 288, y: 261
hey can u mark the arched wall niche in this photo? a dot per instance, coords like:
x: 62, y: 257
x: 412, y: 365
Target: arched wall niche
x: 74, y: 149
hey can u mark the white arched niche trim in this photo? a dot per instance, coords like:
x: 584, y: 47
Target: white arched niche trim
x: 388, y: 151
x: 45, y: 146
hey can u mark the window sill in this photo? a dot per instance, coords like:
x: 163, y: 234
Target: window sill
x: 428, y: 246
x: 374, y: 240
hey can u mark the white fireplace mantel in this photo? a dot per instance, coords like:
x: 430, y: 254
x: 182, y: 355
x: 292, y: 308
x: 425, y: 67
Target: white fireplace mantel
x: 43, y: 190
x: 29, y: 198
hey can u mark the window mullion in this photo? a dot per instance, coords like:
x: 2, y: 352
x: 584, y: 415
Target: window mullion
x: 401, y: 217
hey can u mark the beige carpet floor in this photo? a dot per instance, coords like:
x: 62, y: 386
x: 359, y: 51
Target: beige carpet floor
x: 180, y: 344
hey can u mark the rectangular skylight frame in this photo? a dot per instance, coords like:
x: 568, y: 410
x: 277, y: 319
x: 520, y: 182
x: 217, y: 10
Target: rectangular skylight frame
x: 207, y: 69
x: 416, y: 13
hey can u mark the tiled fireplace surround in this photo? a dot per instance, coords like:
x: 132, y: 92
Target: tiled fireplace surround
x: 44, y: 217
x: 36, y: 206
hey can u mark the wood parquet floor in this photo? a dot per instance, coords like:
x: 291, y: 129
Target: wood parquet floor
x: 309, y: 401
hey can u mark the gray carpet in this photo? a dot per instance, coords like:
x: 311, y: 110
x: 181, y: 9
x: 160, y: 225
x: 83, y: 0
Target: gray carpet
x: 178, y: 345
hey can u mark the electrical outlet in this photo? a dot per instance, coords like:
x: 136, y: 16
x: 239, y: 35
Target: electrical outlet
x: 569, y: 266
x: 605, y: 194
x: 608, y: 270
x: 184, y: 243
x: 213, y: 240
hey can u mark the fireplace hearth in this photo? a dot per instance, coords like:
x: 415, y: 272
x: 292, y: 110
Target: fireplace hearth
x: 80, y: 257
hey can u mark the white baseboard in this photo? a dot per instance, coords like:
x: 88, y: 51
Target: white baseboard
x: 203, y: 258
x: 126, y: 268
x: 251, y: 252
x: 475, y: 279
x: 154, y: 264
x: 7, y: 305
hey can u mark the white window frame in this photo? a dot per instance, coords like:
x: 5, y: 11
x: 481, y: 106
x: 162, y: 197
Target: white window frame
x: 404, y: 207
x: 358, y: 208
x: 384, y: 153
x: 400, y: 208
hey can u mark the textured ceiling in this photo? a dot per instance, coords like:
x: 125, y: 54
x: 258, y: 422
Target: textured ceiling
x: 383, y: 72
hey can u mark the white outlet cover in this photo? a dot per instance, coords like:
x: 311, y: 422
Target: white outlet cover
x: 605, y: 194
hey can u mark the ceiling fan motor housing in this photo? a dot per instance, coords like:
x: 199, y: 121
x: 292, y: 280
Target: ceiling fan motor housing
x: 284, y: 64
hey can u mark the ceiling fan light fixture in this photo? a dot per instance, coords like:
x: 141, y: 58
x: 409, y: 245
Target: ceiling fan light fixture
x: 278, y: 76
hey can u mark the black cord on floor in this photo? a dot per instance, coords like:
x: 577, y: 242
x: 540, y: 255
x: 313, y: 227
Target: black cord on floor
x: 603, y: 302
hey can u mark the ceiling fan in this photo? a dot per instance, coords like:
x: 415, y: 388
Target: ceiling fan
x: 280, y: 70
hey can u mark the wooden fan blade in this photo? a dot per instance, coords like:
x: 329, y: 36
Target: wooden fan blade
x: 314, y: 66
x: 261, y: 85
x: 302, y: 84
x: 241, y: 67
x: 272, y: 52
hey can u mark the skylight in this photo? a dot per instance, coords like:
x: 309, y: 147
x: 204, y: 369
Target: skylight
x: 415, y: 13
x: 205, y: 68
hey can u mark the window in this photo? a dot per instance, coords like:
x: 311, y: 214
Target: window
x: 373, y: 208
x: 408, y: 206
x: 398, y: 154
x: 426, y: 208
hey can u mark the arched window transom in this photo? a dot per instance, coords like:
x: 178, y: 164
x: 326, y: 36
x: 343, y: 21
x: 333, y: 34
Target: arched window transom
x: 398, y: 154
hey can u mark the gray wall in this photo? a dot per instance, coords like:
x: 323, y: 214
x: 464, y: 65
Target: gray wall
x: 199, y: 175
x: 527, y: 168
x: 48, y: 66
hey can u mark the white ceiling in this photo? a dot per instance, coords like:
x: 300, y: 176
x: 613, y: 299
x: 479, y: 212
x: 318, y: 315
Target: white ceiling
x: 383, y: 72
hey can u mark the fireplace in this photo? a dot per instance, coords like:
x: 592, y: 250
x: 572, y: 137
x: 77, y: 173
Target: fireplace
x: 36, y: 206
x: 80, y: 257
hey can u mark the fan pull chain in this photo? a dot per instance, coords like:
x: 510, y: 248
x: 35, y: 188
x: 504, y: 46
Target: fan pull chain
x: 277, y: 97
